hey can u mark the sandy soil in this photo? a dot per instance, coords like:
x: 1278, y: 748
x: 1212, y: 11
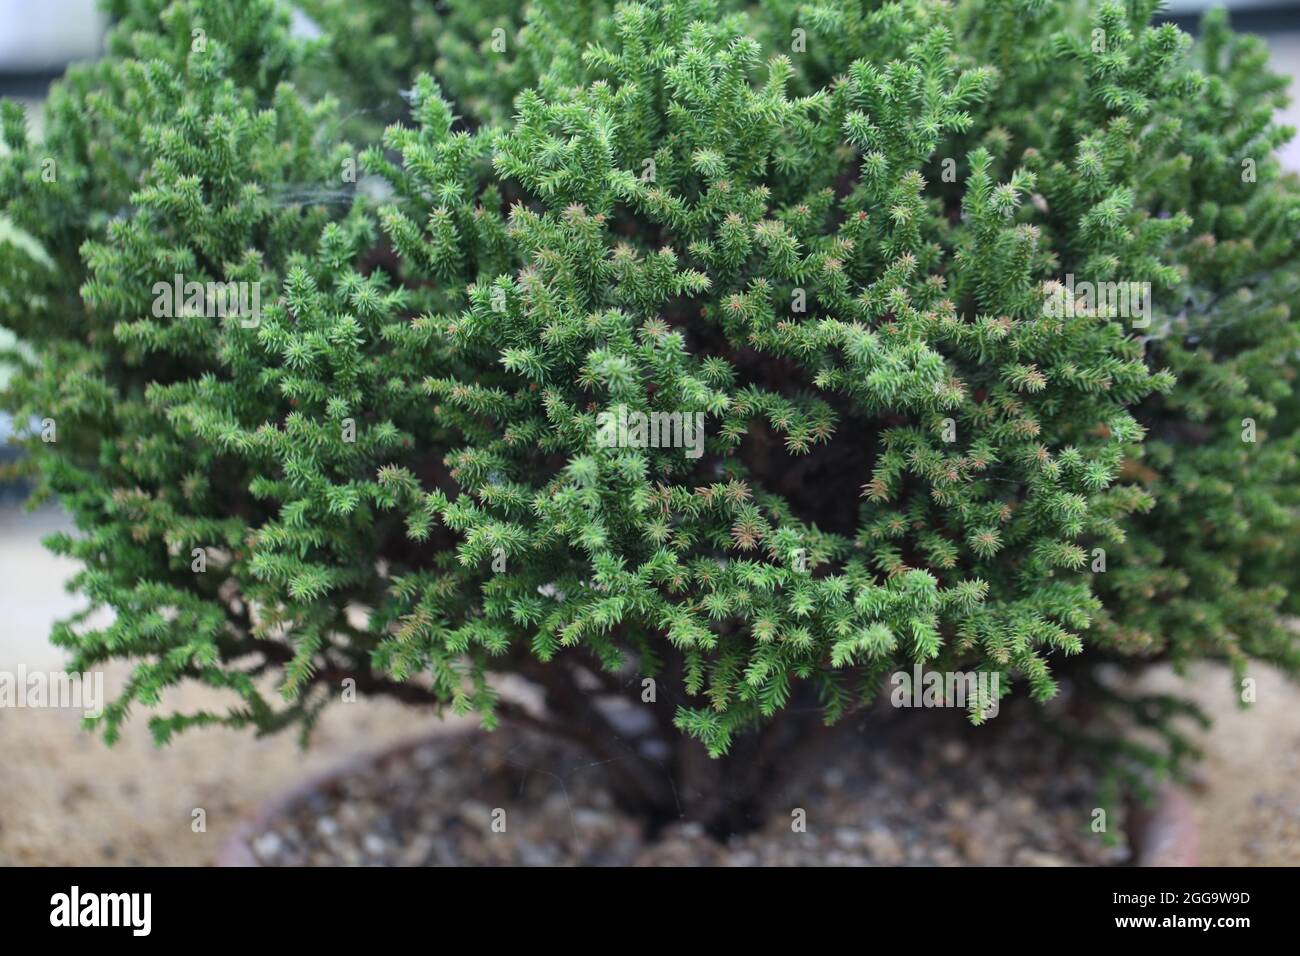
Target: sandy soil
x: 67, y: 799
x: 1247, y: 789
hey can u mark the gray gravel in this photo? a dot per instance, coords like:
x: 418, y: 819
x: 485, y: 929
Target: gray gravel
x: 513, y: 798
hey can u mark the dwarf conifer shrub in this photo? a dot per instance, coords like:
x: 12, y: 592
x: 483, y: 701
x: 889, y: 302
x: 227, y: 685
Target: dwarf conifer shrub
x: 725, y: 358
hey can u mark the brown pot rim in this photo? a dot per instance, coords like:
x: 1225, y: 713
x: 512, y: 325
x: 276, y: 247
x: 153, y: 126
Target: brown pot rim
x: 236, y: 849
x: 1167, y: 832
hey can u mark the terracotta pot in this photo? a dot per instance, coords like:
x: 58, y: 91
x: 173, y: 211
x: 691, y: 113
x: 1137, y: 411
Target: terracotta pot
x: 1167, y: 833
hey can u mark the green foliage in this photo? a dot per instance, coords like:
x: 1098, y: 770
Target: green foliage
x: 838, y: 256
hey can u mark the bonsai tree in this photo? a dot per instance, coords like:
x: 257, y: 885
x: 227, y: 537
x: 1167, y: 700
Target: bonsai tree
x: 723, y: 358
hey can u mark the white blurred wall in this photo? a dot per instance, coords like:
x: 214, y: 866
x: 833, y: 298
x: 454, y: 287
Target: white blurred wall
x: 38, y: 36
x: 1196, y: 6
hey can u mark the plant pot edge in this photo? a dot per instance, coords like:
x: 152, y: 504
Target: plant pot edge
x: 236, y: 849
x: 1168, y: 832
x: 1165, y: 834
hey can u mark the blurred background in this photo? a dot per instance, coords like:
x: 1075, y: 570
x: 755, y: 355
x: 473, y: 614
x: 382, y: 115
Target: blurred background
x: 67, y: 799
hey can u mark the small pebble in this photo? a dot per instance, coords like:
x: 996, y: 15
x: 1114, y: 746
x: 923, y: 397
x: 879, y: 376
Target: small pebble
x: 267, y: 846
